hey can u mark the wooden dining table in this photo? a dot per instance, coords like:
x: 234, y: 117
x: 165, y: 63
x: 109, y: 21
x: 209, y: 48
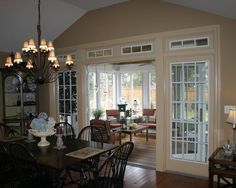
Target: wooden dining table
x: 61, y: 159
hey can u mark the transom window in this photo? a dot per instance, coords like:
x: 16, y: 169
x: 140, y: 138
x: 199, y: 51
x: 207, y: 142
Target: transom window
x: 189, y: 43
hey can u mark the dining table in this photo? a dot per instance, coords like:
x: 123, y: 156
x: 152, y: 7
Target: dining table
x: 59, y: 159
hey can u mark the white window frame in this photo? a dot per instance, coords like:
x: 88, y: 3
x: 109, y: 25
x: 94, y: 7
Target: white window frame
x: 188, y: 47
x: 136, y: 45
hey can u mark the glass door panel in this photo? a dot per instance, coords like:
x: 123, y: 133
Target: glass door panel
x: 107, y: 91
x: 131, y: 91
x: 189, y: 122
x: 67, y: 92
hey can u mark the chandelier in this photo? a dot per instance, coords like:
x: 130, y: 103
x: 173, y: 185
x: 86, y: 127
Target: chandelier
x: 40, y: 61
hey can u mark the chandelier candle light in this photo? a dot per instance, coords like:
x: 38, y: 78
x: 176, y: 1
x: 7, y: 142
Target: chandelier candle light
x: 40, y: 60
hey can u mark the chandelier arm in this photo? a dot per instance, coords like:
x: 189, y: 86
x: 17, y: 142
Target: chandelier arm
x: 47, y: 69
x: 53, y: 77
x: 43, y: 62
x: 35, y: 64
x: 50, y: 76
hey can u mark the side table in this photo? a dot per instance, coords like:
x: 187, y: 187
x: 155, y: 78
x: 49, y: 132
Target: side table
x: 223, y: 166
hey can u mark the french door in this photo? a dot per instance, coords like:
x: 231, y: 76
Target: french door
x: 67, y: 97
x: 190, y: 108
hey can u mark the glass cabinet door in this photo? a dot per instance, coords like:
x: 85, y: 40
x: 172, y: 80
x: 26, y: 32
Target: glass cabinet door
x: 20, y: 102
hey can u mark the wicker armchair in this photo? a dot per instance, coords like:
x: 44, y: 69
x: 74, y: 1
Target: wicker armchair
x: 104, y: 126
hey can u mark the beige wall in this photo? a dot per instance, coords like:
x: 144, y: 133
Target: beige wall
x: 138, y: 17
x: 3, y: 56
x: 134, y: 17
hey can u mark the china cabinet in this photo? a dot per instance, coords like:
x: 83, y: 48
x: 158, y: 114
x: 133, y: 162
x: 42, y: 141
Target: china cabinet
x: 20, y: 101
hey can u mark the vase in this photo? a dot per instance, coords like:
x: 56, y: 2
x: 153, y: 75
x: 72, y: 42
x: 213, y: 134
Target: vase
x: 42, y: 135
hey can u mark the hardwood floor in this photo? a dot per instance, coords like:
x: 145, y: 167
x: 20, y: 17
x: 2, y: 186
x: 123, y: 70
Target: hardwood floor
x: 140, y: 171
x: 144, y: 153
x: 136, y: 177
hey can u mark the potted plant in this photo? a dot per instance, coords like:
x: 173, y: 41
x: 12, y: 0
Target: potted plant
x: 97, y: 113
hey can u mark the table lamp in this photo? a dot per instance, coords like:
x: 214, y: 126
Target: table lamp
x: 232, y: 117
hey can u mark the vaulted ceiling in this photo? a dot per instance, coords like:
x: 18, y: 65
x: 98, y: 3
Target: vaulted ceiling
x: 18, y: 18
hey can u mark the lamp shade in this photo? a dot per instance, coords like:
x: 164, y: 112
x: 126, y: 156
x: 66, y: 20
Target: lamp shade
x: 232, y: 117
x: 69, y: 60
x: 18, y: 58
x: 8, y: 62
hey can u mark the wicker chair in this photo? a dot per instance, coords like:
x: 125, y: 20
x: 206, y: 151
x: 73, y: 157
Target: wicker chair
x: 104, y: 126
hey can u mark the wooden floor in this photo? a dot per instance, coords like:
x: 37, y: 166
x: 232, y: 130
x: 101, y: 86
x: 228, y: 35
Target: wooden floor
x: 141, y: 173
x: 144, y: 153
x: 136, y: 177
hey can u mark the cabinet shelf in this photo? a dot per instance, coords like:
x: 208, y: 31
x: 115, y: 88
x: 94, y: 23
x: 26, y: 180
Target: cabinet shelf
x: 12, y: 92
x: 29, y: 103
x: 12, y: 118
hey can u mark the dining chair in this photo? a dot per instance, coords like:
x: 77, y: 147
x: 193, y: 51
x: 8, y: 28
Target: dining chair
x: 111, y: 172
x: 67, y: 129
x: 28, y: 170
x: 8, y: 176
x: 85, y: 168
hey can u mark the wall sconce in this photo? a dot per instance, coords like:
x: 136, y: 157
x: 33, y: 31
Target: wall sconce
x: 232, y: 117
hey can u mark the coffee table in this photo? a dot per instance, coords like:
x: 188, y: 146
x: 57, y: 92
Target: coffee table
x: 132, y: 131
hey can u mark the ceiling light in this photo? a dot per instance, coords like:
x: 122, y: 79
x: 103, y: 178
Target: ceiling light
x: 39, y: 60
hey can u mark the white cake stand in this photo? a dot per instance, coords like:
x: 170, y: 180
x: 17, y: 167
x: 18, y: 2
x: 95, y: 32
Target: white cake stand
x: 42, y: 134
